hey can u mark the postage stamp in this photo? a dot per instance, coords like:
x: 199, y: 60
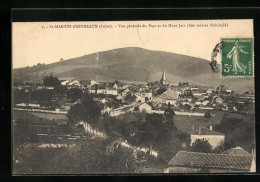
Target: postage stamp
x: 237, y: 57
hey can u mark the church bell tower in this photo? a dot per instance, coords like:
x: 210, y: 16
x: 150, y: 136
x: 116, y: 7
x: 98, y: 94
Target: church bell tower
x: 163, y: 79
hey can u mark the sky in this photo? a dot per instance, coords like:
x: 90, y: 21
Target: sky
x: 41, y: 42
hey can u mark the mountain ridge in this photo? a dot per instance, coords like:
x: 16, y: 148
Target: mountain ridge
x: 135, y: 64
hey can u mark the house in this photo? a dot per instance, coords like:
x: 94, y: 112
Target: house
x: 101, y: 100
x: 139, y: 99
x: 103, y: 89
x: 74, y: 82
x: 170, y: 95
x: 65, y: 82
x: 218, y: 100
x: 106, y: 110
x: 171, y: 101
x: 225, y: 106
x: 209, y: 91
x: 86, y: 84
x: 117, y: 85
x: 214, y: 138
x: 198, y: 103
x: 67, y: 106
x: 144, y: 107
x: 196, y: 162
x: 123, y: 143
x: 124, y: 92
x: 118, y: 143
x: 194, y: 88
x: 49, y: 88
x: 26, y: 88
x: 196, y: 93
x: 144, y: 95
x: 205, y: 102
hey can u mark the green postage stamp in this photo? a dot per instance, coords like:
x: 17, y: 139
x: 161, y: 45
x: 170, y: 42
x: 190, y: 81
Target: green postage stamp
x: 237, y: 57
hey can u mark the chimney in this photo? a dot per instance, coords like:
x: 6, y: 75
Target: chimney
x: 210, y: 127
x: 199, y: 130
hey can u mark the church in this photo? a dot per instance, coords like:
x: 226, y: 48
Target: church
x: 163, y: 79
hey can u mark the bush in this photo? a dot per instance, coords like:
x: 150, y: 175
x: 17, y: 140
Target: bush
x: 201, y: 145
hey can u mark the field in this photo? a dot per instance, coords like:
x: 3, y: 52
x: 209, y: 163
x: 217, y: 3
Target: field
x: 185, y: 123
x: 45, y: 144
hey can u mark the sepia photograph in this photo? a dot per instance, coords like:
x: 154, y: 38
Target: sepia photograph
x: 133, y: 97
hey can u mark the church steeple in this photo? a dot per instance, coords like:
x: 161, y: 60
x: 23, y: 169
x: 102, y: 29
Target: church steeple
x: 163, y: 79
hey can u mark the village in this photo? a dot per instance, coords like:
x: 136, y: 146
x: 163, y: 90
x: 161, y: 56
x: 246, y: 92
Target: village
x: 192, y: 111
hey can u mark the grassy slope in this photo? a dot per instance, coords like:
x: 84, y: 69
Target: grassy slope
x: 137, y: 64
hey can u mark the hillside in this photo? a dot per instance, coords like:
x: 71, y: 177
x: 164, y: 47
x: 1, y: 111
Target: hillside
x: 134, y: 64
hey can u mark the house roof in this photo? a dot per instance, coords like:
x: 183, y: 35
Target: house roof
x: 171, y: 94
x: 118, y: 142
x: 146, y: 104
x: 206, y: 131
x: 223, y: 161
x: 236, y: 151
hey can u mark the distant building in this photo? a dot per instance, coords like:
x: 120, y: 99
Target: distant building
x: 116, y: 144
x: 209, y: 91
x: 218, y: 100
x: 205, y: 102
x: 214, y: 138
x: 171, y: 101
x: 103, y: 89
x: 124, y: 92
x: 194, y: 88
x: 86, y: 84
x: 145, y: 108
x: 196, y: 162
x: 236, y: 151
x: 168, y: 96
x: 101, y: 100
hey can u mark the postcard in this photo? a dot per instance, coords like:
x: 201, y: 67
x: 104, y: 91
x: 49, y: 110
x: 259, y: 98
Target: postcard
x: 133, y: 97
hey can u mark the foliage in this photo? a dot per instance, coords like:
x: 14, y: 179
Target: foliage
x: 161, y: 90
x: 169, y: 115
x: 185, y: 107
x: 201, y: 145
x: 74, y: 94
x: 121, y: 160
x: 86, y: 158
x: 237, y: 131
x: 51, y: 81
x: 208, y: 114
x: 219, y: 149
x: 88, y: 111
x: 61, y: 90
x: 19, y: 96
x: 43, y: 96
x: 130, y: 98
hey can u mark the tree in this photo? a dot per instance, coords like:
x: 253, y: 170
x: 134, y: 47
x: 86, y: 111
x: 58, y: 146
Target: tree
x: 201, y: 145
x: 169, y: 115
x: 160, y: 90
x: 130, y: 98
x: 19, y: 96
x: 187, y: 107
x: 88, y: 111
x: 208, y: 114
x: 121, y: 160
x: 51, y: 81
x: 74, y: 94
x: 238, y: 132
x: 60, y: 90
x: 43, y: 97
